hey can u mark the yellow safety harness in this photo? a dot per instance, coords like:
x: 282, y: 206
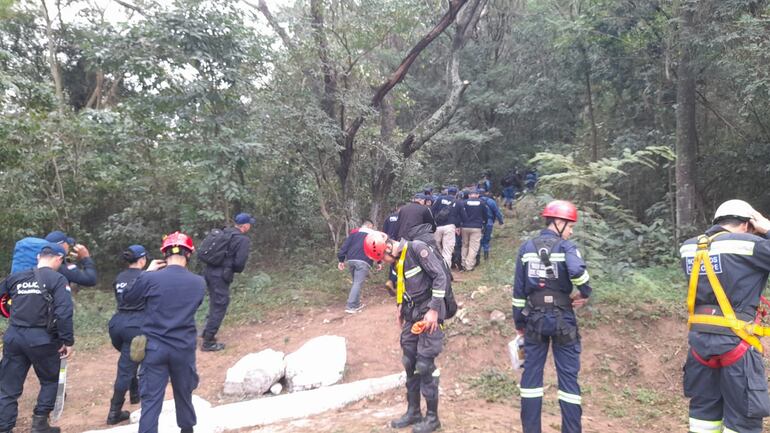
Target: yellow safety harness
x: 401, y: 281
x: 747, y: 331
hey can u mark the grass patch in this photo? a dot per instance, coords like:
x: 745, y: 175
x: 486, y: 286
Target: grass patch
x: 495, y: 386
x: 253, y: 295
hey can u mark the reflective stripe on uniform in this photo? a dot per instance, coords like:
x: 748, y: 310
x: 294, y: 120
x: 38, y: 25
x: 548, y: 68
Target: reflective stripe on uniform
x: 436, y: 372
x: 579, y: 281
x: 570, y: 398
x: 702, y: 426
x: 730, y: 246
x: 531, y: 392
x: 534, y: 257
x: 412, y: 272
x: 519, y: 303
x: 439, y: 293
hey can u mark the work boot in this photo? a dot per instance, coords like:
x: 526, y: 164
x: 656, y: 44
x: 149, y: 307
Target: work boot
x: 486, y: 255
x: 186, y: 430
x: 133, y: 391
x: 210, y: 344
x: 430, y: 423
x: 117, y: 414
x: 413, y: 414
x: 40, y: 425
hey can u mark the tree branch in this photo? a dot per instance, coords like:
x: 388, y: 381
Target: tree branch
x: 262, y: 7
x: 132, y: 7
x: 52, y: 61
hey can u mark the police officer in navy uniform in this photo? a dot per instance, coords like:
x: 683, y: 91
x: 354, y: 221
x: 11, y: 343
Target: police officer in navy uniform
x: 724, y: 375
x: 171, y: 296
x: 548, y: 268
x: 123, y: 327
x: 476, y: 216
x: 84, y: 271
x: 218, y: 279
x: 426, y: 281
x: 39, y: 335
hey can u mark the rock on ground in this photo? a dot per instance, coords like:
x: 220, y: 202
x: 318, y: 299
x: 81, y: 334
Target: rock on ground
x: 319, y: 362
x: 255, y: 373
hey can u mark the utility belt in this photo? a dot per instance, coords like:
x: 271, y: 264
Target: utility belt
x: 548, y: 299
x: 414, y: 307
x: 715, y: 310
x: 545, y: 312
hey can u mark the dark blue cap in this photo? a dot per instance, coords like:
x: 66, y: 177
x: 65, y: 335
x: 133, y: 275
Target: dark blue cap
x: 138, y: 251
x: 451, y: 190
x: 419, y: 196
x: 244, y: 218
x: 52, y: 248
x: 59, y: 237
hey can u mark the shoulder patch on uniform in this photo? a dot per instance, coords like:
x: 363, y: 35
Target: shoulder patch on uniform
x: 424, y: 253
x: 72, y: 266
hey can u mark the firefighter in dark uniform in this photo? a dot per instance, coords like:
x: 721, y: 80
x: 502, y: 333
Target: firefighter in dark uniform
x: 83, y: 272
x: 724, y: 375
x: 548, y: 268
x: 218, y: 279
x: 123, y: 327
x: 171, y: 296
x: 422, y: 284
x: 39, y: 335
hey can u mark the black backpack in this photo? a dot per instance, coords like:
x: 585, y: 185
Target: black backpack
x: 215, y: 246
x: 442, y: 216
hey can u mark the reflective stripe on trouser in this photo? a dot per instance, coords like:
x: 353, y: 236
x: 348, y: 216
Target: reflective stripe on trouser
x: 445, y: 239
x: 471, y: 243
x: 567, y: 367
x: 486, y: 239
x: 736, y: 394
x: 703, y: 426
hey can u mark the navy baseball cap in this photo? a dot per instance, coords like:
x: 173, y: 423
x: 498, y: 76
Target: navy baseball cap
x: 452, y: 189
x: 52, y: 249
x: 58, y: 237
x: 244, y: 218
x: 138, y: 251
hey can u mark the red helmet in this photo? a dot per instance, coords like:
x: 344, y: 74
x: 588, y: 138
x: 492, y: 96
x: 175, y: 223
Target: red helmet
x: 561, y: 209
x: 375, y: 244
x: 176, y: 240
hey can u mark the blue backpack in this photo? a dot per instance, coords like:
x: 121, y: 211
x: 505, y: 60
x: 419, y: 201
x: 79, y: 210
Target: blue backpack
x: 25, y: 254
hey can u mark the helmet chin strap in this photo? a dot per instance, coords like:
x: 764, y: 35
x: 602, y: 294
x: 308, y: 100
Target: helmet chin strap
x: 560, y: 231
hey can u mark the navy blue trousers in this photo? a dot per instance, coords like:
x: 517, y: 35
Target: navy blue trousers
x: 24, y: 348
x: 567, y: 359
x: 160, y: 364
x: 733, y: 397
x: 486, y: 239
x: 121, y: 334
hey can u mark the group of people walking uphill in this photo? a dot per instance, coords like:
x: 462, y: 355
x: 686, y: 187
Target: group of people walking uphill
x: 154, y: 328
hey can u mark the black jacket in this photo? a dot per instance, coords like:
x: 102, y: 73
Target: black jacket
x: 411, y: 215
x: 237, y: 255
x: 29, y: 308
x: 476, y: 213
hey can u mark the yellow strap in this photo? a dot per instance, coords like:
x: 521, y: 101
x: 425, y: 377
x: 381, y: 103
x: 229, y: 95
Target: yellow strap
x: 745, y: 330
x: 400, y: 284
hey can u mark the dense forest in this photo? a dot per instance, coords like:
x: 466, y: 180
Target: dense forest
x: 315, y: 114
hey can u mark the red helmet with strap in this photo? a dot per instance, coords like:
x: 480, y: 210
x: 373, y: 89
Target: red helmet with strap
x: 175, y: 241
x: 375, y: 244
x: 561, y: 209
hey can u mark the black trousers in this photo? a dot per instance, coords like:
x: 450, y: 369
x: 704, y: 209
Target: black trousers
x: 24, y: 348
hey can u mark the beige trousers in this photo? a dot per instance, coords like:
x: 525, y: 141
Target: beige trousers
x: 471, y: 244
x: 445, y: 239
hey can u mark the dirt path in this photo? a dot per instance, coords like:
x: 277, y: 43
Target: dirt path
x: 630, y: 372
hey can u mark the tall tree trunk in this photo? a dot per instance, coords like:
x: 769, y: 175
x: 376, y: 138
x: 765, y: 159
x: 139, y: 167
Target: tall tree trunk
x: 53, y: 63
x: 686, y: 127
x: 382, y: 182
x: 590, y: 98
